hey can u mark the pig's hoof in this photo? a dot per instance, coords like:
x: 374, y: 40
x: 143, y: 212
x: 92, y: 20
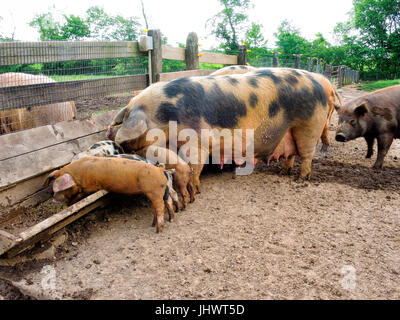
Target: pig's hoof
x: 285, y: 171
x: 300, y: 178
x: 324, y: 148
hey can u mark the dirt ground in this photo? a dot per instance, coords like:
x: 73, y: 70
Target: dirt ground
x: 262, y: 236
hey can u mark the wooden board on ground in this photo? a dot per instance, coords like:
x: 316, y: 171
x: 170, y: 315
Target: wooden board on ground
x: 15, y: 244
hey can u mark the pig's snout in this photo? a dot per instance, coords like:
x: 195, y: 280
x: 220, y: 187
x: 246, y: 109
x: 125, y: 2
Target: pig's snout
x: 340, y: 137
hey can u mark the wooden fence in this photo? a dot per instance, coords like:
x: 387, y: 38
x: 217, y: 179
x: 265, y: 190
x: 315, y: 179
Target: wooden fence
x: 17, y: 53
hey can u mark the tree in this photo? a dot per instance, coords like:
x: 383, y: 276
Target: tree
x: 74, y: 28
x: 254, y: 37
x: 228, y: 24
x: 255, y: 42
x: 106, y: 27
x: 378, y: 23
x: 96, y: 24
x: 289, y: 40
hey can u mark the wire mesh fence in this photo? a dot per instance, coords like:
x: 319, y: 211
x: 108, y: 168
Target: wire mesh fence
x: 339, y: 75
x: 45, y: 82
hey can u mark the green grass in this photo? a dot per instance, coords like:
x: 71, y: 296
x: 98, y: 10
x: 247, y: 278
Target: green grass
x: 78, y: 77
x: 375, y: 85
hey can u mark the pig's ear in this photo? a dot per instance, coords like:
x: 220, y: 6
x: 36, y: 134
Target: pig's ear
x: 119, y: 117
x: 55, y: 174
x: 63, y: 183
x: 337, y: 106
x: 361, y: 110
x: 133, y: 127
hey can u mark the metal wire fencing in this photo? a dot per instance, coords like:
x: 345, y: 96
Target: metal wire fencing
x: 338, y: 75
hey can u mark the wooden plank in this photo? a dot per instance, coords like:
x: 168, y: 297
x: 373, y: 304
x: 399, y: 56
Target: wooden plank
x: 7, y: 241
x: 218, y: 58
x: 47, y: 93
x: 49, y: 226
x: 29, y: 189
x: 14, y: 53
x: 20, y: 168
x: 168, y: 76
x: 22, y: 142
x: 171, y: 53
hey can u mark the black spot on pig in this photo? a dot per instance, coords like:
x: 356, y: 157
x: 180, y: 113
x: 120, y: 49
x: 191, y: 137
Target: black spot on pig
x: 295, y: 72
x: 232, y: 81
x: 253, y: 99
x: 273, y: 109
x: 318, y: 90
x: 232, y: 68
x: 291, y: 79
x: 253, y: 81
x: 167, y: 112
x: 215, y: 106
x: 298, y: 103
x: 266, y: 73
x: 242, y: 67
x: 95, y: 146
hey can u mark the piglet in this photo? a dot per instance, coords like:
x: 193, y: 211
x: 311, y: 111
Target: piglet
x: 100, y: 149
x: 173, y: 196
x: 118, y: 175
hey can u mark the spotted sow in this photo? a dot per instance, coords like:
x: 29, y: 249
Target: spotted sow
x: 268, y: 101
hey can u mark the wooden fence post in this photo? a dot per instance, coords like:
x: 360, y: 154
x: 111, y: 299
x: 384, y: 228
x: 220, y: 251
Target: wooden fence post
x: 319, y: 66
x: 297, y: 61
x: 339, y: 76
x: 275, y: 60
x: 156, y: 55
x: 242, y: 55
x: 311, y: 64
x: 192, y: 52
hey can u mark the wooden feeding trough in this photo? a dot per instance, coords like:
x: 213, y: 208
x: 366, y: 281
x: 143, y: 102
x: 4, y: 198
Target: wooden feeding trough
x: 26, y: 158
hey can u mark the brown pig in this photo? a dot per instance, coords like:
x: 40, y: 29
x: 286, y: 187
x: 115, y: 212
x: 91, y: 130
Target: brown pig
x: 183, y: 172
x: 118, y: 175
x: 373, y: 116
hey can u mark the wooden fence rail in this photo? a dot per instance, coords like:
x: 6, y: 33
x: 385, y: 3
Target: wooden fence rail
x: 16, y: 53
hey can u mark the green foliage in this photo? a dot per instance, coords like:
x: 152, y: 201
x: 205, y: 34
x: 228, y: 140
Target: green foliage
x: 378, y: 23
x: 74, y: 28
x: 96, y: 24
x: 228, y: 24
x: 289, y: 40
x: 106, y: 27
x: 375, y: 85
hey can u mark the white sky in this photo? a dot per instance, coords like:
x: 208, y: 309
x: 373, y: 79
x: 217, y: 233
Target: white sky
x: 176, y: 18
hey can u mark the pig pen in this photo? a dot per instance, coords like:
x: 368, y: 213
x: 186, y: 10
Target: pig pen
x: 262, y: 236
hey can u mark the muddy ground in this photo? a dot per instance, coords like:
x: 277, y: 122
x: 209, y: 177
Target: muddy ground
x: 262, y: 236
